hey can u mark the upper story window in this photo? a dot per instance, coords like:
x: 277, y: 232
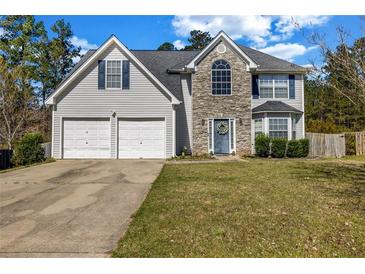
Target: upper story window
x: 113, y: 74
x: 221, y: 78
x: 274, y: 86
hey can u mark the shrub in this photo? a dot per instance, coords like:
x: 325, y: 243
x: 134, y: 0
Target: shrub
x: 278, y: 147
x: 262, y: 145
x: 28, y: 150
x: 304, y: 145
x: 298, y: 148
x: 293, y: 149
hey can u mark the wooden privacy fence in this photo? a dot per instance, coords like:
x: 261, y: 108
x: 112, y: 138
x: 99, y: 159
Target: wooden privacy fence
x: 360, y: 142
x: 47, y: 149
x: 326, y: 145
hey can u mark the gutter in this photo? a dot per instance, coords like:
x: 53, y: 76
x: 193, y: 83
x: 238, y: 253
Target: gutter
x: 277, y: 111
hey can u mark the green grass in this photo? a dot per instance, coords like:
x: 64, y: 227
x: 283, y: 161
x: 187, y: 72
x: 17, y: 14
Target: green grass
x: 355, y: 157
x: 258, y: 208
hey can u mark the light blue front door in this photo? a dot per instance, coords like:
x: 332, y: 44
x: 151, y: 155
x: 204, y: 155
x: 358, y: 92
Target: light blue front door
x: 221, y: 136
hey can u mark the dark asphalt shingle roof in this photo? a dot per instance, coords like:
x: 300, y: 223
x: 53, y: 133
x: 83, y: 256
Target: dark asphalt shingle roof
x: 268, y: 62
x: 159, y: 62
x: 275, y: 106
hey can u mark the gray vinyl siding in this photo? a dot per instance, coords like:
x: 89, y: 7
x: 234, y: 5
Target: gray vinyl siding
x: 184, y: 116
x: 297, y: 102
x: 82, y: 99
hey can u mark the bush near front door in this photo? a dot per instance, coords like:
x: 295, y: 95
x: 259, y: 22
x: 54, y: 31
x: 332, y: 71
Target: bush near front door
x: 280, y: 148
x: 262, y: 145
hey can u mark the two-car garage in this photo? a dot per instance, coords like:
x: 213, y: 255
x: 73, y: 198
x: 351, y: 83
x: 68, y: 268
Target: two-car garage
x: 92, y: 138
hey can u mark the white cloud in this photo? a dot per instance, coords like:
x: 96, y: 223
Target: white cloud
x: 259, y: 30
x: 179, y: 44
x: 310, y: 66
x: 287, y: 51
x: 1, y: 31
x: 83, y: 44
x: 253, y: 27
x: 287, y: 25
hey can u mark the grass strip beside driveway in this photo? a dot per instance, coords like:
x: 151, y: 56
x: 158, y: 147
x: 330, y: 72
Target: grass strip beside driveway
x: 258, y: 208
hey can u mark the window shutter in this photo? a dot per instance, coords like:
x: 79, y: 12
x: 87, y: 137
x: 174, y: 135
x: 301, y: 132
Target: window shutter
x: 101, y: 74
x: 291, y: 86
x: 126, y: 74
x: 255, y: 86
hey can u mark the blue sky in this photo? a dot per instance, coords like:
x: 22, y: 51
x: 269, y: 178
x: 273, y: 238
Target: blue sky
x: 282, y: 36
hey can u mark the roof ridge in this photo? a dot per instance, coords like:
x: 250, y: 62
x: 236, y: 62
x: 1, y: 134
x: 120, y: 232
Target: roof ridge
x: 155, y: 50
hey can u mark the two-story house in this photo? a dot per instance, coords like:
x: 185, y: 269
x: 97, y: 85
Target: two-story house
x: 121, y: 103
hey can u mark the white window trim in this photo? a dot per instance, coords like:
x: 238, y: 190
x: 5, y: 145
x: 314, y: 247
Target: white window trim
x: 262, y: 125
x: 232, y: 131
x: 210, y: 136
x: 267, y: 125
x: 294, y: 121
x: 106, y: 73
x: 211, y: 145
x: 211, y: 80
x: 273, y: 88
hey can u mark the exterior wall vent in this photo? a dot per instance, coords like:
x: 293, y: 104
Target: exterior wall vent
x: 221, y: 48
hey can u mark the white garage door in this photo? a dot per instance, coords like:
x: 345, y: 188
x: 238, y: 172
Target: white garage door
x: 141, y: 138
x: 86, y: 138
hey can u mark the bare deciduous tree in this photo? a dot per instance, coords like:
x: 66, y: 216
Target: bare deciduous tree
x: 344, y: 66
x: 17, y: 104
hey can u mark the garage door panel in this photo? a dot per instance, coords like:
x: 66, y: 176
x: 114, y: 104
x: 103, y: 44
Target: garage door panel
x: 86, y: 138
x: 141, y: 138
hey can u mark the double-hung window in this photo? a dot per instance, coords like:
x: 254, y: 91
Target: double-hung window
x: 266, y: 86
x: 274, y: 86
x: 113, y: 74
x: 258, y: 127
x: 281, y: 86
x: 278, y: 127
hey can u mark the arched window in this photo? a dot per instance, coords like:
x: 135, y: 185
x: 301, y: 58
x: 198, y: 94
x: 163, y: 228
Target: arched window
x: 221, y: 78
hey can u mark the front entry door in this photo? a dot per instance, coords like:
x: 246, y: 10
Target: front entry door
x: 221, y: 136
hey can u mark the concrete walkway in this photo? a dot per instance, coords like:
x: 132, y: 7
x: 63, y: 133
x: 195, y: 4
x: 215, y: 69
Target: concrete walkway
x: 71, y: 208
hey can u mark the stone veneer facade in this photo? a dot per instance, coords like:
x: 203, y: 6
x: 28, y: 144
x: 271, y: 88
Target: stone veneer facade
x: 237, y: 105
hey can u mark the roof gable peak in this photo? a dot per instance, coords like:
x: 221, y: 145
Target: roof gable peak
x: 218, y: 38
x: 111, y: 40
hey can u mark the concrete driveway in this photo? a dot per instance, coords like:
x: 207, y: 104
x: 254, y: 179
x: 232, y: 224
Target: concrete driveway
x: 71, y: 208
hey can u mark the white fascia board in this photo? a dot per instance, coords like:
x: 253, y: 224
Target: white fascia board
x: 251, y: 64
x: 50, y: 100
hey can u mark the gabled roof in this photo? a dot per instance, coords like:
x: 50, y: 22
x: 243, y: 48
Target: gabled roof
x: 93, y: 57
x: 164, y: 66
x: 275, y: 106
x: 219, y: 37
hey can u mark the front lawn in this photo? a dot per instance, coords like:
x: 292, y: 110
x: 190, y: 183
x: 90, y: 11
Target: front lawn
x: 258, y: 208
